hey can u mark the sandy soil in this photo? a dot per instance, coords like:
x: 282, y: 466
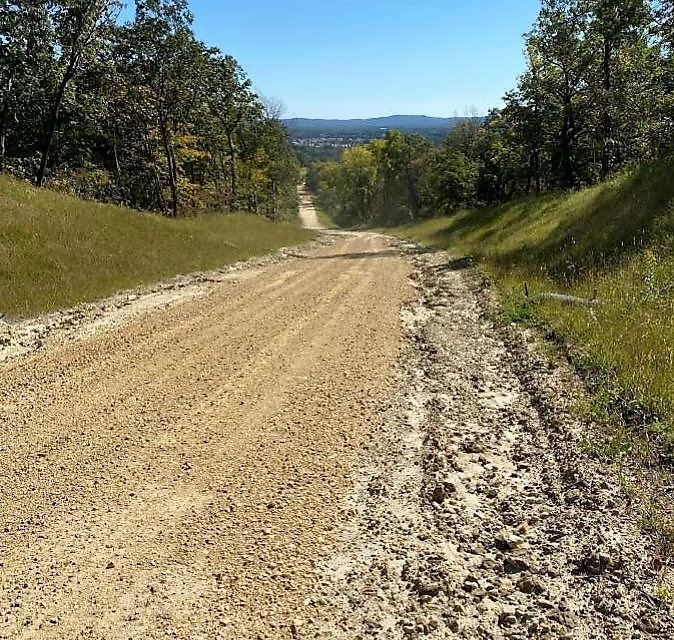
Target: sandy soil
x: 475, y: 512
x: 308, y: 212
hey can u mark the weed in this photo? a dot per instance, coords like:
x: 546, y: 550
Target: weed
x: 658, y: 521
x: 517, y: 311
x: 664, y: 593
x: 629, y: 489
x: 611, y: 448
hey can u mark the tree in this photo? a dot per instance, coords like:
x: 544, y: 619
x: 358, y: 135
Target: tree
x: 25, y: 38
x: 401, y: 167
x: 79, y: 29
x: 167, y: 62
x: 558, y: 41
x: 232, y: 103
x: 620, y: 26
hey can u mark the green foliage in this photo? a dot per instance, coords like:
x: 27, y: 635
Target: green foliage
x: 517, y: 308
x: 56, y: 251
x: 611, y: 242
x: 611, y: 448
x: 665, y: 594
x: 323, y: 218
x: 396, y: 179
x: 139, y: 113
x: 597, y: 96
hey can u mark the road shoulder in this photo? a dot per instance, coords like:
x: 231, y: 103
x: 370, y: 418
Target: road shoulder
x: 47, y: 331
x: 475, y: 513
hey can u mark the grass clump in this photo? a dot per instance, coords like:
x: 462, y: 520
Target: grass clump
x: 613, y: 447
x: 613, y: 242
x: 57, y: 251
x: 664, y: 594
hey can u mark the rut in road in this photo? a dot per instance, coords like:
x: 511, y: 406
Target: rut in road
x: 180, y: 476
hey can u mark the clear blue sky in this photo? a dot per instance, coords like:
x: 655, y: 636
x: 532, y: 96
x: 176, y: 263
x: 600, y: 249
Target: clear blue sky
x: 365, y: 58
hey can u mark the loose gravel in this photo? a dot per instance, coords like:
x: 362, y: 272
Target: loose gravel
x: 179, y: 474
x: 335, y: 442
x: 474, y: 512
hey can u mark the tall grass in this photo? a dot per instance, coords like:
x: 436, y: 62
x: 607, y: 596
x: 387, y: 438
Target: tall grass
x: 613, y: 242
x: 56, y: 251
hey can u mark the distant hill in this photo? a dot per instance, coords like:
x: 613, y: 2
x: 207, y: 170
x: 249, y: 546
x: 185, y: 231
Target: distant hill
x: 318, y: 140
x: 312, y: 128
x: 388, y: 122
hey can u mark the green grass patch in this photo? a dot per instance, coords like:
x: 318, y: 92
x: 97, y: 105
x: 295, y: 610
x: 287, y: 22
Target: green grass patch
x: 324, y: 218
x: 665, y: 594
x: 57, y: 251
x: 612, y: 242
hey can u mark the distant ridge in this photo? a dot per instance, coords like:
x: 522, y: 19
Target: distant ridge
x: 401, y: 122
x: 324, y: 139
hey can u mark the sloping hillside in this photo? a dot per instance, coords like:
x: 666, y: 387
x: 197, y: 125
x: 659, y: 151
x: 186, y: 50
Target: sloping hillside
x: 613, y: 243
x: 56, y: 251
x: 357, y: 130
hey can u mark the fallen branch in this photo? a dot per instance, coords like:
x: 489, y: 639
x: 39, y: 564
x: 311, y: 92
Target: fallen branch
x: 561, y: 297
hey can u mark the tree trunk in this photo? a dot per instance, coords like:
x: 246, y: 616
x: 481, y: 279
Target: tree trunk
x: 173, y: 184
x: 530, y: 175
x: 171, y: 165
x: 274, y: 200
x: 50, y: 128
x: 565, y: 153
x: 155, y: 177
x: 3, y: 135
x: 607, y: 121
x: 537, y: 170
x: 118, y: 167
x: 565, y: 135
x: 4, y: 116
x: 232, y: 167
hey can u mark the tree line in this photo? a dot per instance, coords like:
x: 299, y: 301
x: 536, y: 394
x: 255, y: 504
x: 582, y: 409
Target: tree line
x: 597, y: 96
x: 138, y: 112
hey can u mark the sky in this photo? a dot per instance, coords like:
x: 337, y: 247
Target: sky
x: 368, y: 58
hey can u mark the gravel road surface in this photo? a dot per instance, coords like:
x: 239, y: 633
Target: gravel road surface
x: 180, y: 476
x: 333, y: 443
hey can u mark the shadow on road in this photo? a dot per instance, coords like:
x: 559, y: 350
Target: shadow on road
x: 455, y: 265
x: 386, y: 253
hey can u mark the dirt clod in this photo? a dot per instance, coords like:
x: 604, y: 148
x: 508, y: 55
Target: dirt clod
x: 279, y: 451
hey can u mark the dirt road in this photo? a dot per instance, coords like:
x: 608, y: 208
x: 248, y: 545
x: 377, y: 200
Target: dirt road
x: 337, y: 443
x: 308, y: 212
x: 181, y: 475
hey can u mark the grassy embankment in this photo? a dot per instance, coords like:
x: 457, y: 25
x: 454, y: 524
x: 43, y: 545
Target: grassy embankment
x: 614, y: 242
x: 324, y: 218
x: 56, y: 251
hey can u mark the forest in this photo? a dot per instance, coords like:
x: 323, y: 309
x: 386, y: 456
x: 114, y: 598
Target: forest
x: 136, y: 112
x: 597, y: 97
